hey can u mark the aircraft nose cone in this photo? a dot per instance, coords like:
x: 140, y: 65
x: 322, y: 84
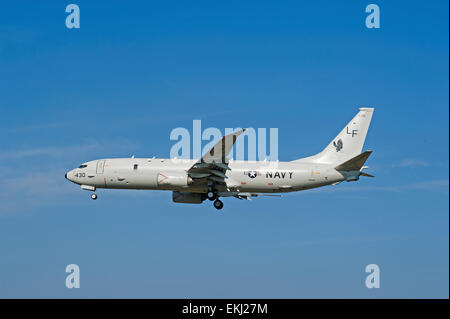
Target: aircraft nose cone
x: 68, y: 176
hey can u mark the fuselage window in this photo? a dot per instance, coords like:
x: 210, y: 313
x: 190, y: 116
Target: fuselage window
x: 135, y: 166
x: 82, y: 166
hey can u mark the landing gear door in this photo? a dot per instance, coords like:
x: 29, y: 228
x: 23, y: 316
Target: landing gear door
x: 100, y: 166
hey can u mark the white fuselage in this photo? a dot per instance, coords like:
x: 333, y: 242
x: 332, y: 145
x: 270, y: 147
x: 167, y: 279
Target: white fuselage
x: 171, y: 174
x: 214, y: 176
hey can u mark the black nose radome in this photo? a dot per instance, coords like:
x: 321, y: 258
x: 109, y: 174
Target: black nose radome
x: 65, y: 175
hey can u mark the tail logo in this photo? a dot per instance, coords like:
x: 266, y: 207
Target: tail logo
x: 352, y: 133
x: 339, y: 145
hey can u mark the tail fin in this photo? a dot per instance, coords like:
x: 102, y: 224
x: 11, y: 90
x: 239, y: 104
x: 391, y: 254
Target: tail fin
x: 348, y: 143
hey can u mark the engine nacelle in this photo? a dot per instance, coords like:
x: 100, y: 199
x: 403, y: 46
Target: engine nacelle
x: 176, y: 179
x: 188, y: 198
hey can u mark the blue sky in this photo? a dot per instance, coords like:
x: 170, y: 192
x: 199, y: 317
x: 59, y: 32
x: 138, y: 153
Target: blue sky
x: 135, y: 70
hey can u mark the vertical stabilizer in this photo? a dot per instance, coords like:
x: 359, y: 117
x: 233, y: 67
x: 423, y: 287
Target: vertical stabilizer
x: 348, y: 143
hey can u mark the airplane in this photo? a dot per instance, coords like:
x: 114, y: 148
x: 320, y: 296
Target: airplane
x: 214, y: 176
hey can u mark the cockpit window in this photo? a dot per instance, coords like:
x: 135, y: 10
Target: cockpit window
x: 82, y: 166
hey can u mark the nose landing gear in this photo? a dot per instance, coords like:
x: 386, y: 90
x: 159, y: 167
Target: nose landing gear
x: 94, y: 196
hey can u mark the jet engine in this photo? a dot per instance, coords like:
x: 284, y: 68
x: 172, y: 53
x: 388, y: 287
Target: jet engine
x: 176, y: 179
x: 189, y: 198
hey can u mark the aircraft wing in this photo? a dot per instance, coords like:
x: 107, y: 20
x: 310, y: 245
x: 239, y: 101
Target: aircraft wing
x: 219, y: 152
x: 213, y: 164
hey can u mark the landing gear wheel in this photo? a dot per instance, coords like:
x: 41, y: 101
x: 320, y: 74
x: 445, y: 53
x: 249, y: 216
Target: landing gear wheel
x: 218, y: 204
x: 211, y: 195
x: 94, y: 196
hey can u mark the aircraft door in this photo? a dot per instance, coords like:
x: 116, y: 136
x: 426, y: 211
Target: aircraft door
x: 100, y: 166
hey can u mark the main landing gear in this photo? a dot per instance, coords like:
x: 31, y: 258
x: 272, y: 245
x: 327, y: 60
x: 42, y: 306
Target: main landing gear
x: 218, y: 204
x: 212, y: 196
x: 94, y: 196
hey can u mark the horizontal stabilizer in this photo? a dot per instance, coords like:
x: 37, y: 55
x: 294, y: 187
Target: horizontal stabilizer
x: 355, y: 163
x: 366, y: 175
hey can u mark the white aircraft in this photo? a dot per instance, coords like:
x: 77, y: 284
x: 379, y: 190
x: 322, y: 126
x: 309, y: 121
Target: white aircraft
x: 214, y: 176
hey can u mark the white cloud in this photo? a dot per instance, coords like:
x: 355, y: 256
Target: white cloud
x: 29, y: 186
x: 412, y: 162
x: 63, y: 151
x: 34, y: 184
x: 47, y: 151
x: 33, y: 189
x: 430, y: 185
